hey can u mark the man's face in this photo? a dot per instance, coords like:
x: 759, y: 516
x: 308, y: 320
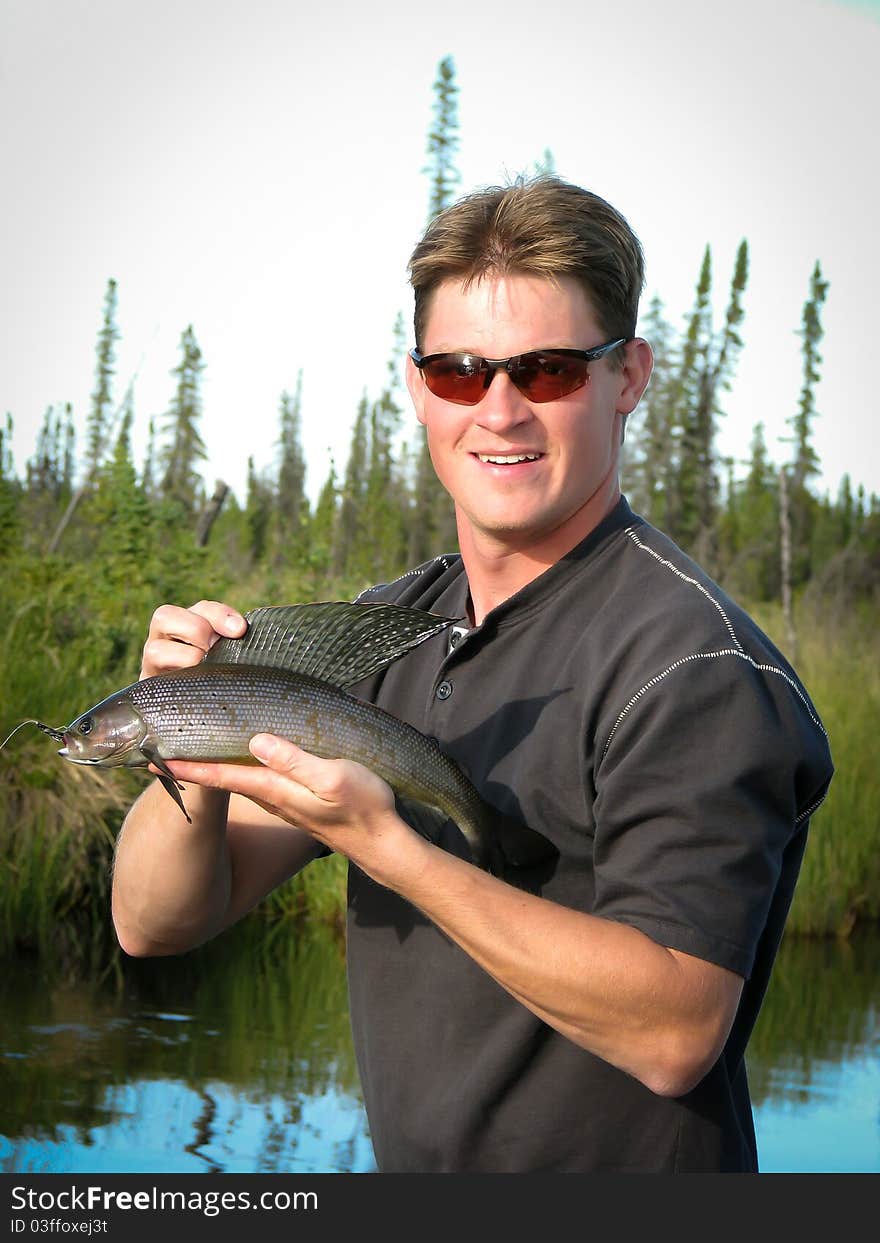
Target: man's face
x: 563, y: 480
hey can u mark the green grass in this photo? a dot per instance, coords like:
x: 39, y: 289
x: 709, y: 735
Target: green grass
x: 839, y: 662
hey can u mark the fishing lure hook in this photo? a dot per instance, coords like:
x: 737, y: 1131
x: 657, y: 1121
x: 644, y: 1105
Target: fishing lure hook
x: 57, y: 734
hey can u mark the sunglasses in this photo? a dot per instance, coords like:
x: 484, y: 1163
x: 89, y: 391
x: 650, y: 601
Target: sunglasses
x: 540, y: 375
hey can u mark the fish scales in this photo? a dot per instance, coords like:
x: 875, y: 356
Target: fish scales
x: 210, y: 712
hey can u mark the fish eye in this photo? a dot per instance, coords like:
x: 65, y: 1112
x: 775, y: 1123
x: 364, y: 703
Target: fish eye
x: 85, y: 725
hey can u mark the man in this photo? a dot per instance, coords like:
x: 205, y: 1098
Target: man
x: 590, y: 1012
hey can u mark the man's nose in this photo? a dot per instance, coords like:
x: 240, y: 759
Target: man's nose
x: 503, y: 406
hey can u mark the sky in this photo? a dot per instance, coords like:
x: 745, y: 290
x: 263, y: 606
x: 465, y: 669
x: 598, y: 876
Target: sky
x: 255, y: 168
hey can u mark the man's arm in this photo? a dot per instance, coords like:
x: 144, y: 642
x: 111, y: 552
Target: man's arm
x: 176, y: 885
x: 658, y: 1014
x: 661, y: 1015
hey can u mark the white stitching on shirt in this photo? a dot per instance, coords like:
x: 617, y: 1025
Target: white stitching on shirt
x: 630, y: 531
x: 805, y: 815
x: 737, y: 651
x: 409, y: 574
x: 728, y: 651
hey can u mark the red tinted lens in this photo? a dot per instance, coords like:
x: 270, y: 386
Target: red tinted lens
x: 456, y: 377
x: 545, y: 376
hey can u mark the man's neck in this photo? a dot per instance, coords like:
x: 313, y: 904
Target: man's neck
x: 498, y: 566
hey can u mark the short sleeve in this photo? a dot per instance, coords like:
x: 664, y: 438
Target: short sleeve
x: 703, y: 794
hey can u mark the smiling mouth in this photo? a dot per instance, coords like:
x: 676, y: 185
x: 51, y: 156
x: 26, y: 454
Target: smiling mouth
x: 507, y: 459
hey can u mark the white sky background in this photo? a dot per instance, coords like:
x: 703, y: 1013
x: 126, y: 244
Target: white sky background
x: 254, y: 167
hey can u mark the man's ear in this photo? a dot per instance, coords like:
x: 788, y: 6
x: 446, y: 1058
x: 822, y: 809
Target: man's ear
x: 638, y: 363
x: 417, y: 389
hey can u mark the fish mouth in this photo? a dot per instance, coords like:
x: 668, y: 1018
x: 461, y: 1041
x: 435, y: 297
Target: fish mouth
x: 77, y: 759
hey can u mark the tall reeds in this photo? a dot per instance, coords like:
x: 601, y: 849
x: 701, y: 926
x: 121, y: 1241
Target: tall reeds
x: 839, y: 885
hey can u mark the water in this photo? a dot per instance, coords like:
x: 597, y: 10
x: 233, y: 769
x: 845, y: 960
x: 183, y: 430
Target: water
x: 238, y: 1059
x: 814, y: 1060
x: 234, y: 1059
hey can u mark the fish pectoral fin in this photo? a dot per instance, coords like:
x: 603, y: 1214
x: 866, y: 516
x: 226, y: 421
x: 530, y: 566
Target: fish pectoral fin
x: 169, y: 781
x: 174, y: 789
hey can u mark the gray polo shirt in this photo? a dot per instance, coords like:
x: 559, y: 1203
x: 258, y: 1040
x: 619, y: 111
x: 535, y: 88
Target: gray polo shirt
x: 624, y: 707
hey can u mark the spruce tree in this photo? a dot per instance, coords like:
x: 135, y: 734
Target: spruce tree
x: 148, y: 474
x: 805, y: 462
x: 684, y: 505
x: 101, y: 420
x: 707, y: 364
x: 68, y: 458
x: 443, y: 139
x: 44, y: 468
x: 120, y: 512
x: 321, y: 531
x: 648, y: 454
x: 729, y: 519
x: 752, y: 564
x: 259, y: 504
x: 101, y: 409
x: 10, y: 489
x: 348, y: 541
x: 386, y: 502
x: 7, y: 466
x: 846, y: 511
x: 432, y: 529
x: 720, y: 357
x: 184, y: 447
x: 292, y: 504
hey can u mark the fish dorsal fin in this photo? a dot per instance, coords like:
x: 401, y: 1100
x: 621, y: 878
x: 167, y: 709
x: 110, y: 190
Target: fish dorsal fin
x: 335, y: 641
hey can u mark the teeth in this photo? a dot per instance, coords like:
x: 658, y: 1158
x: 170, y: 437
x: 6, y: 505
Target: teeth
x: 508, y: 459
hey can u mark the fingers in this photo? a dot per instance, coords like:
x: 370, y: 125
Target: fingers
x: 256, y: 781
x: 179, y: 637
x: 335, y: 783
x: 302, y: 788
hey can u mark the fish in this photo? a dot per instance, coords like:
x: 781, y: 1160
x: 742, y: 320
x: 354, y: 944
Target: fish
x: 289, y: 675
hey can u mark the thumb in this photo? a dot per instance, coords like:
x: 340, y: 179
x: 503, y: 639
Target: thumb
x: 275, y: 752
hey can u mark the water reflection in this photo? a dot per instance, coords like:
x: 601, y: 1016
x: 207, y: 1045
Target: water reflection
x: 238, y: 1058
x: 814, y: 1058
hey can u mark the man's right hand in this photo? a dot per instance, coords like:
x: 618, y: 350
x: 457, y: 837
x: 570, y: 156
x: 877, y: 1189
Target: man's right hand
x: 179, y: 637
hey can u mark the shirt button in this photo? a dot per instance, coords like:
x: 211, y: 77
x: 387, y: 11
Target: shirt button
x: 444, y: 690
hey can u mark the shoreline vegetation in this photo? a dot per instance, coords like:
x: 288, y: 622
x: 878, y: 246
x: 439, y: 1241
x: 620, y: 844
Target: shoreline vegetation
x: 58, y: 821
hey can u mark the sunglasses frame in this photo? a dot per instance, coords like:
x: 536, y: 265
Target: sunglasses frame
x: 488, y: 366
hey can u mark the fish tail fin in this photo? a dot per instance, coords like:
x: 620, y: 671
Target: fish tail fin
x: 520, y: 848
